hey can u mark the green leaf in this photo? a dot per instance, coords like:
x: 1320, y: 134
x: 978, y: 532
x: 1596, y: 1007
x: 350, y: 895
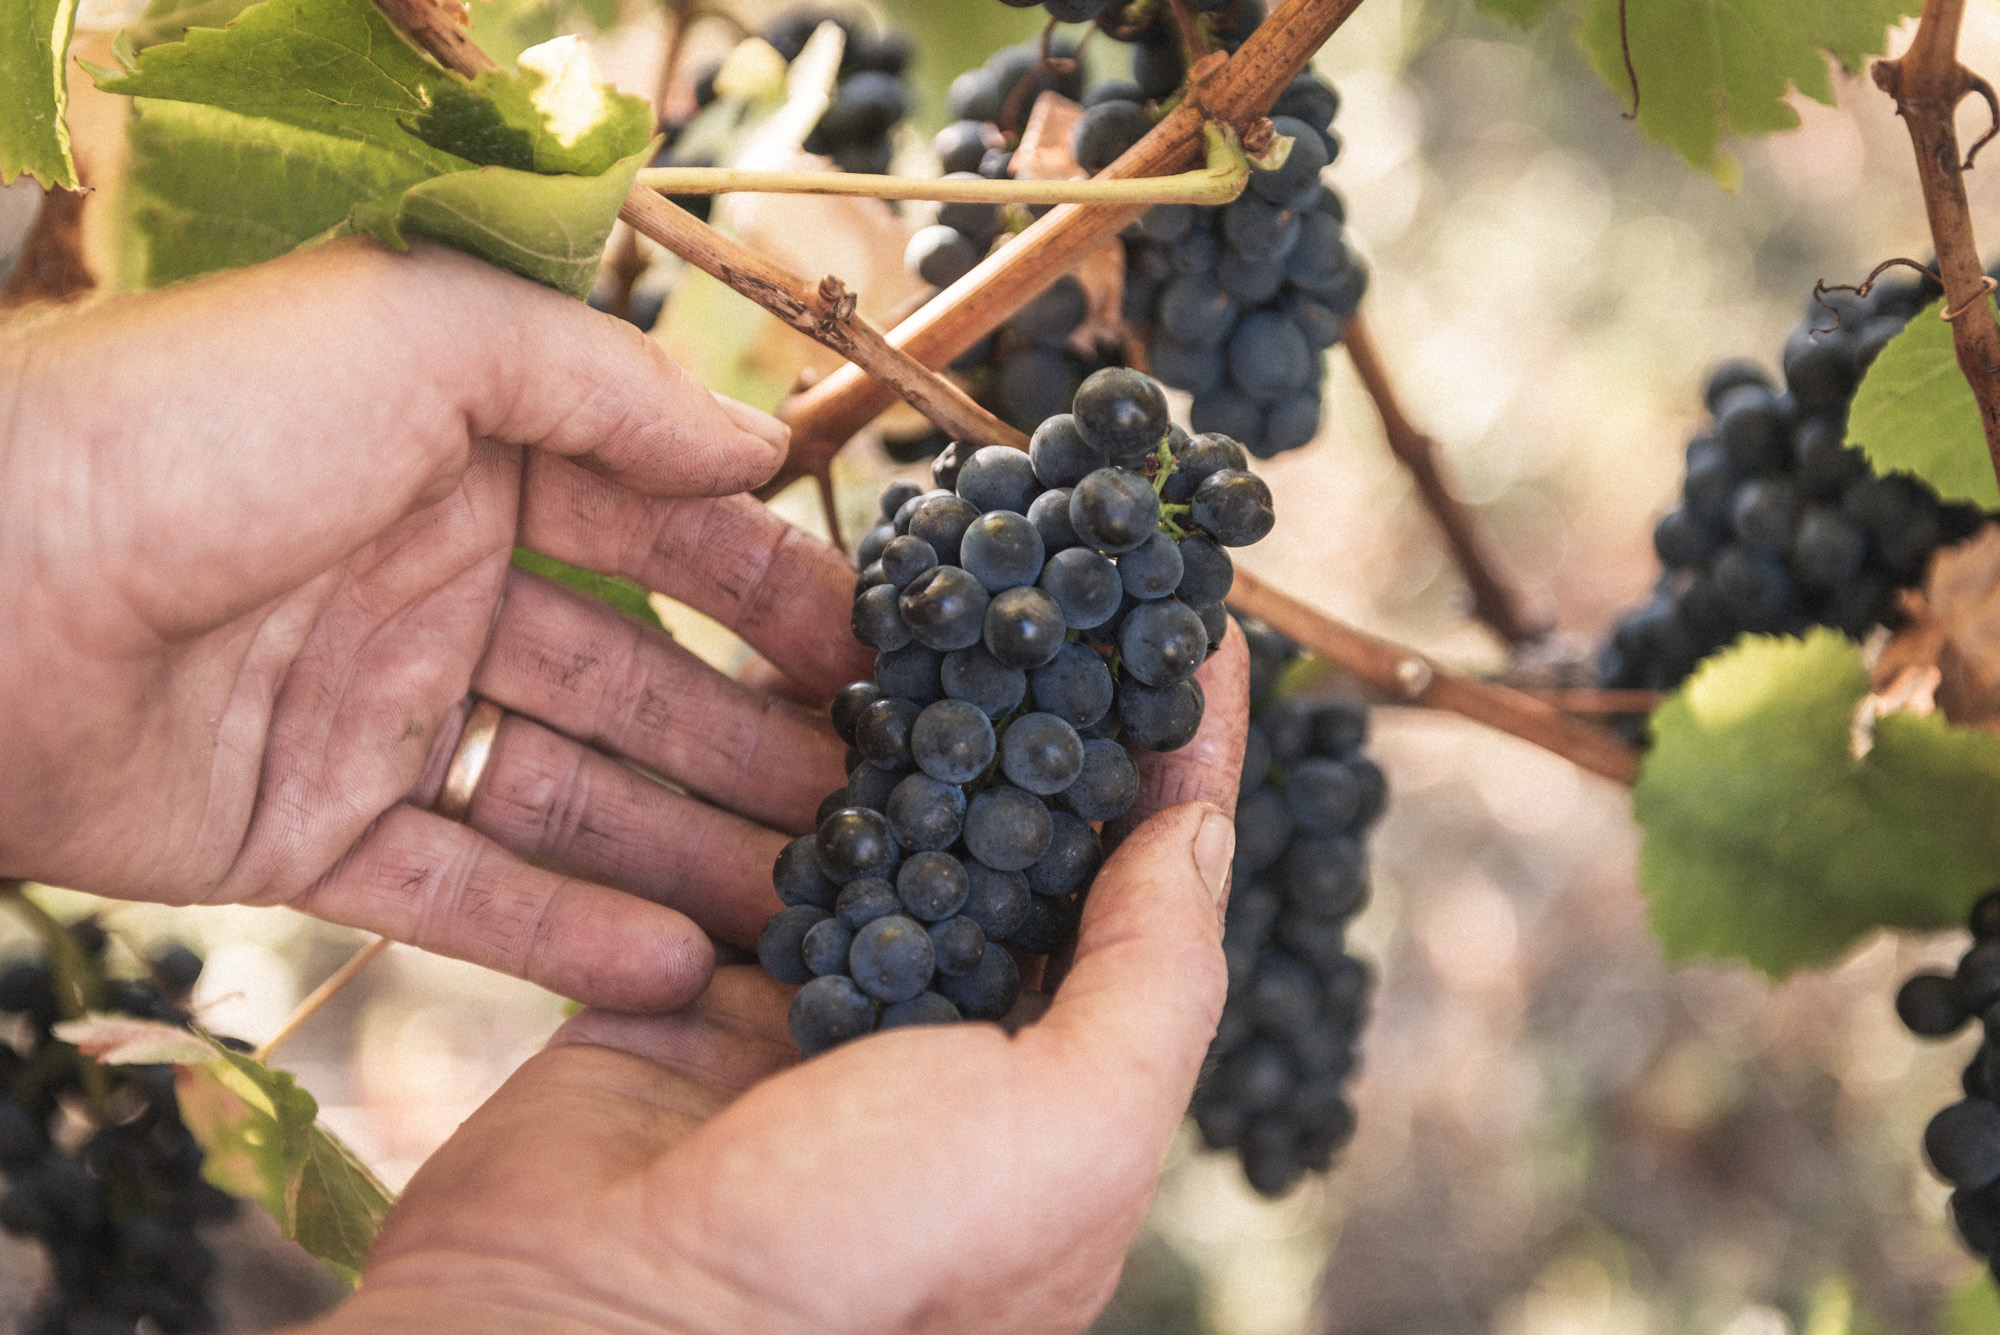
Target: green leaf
x: 34, y: 91
x: 209, y: 189
x: 1709, y: 69
x: 169, y: 20
x: 1915, y: 414
x: 262, y: 1141
x: 336, y: 66
x: 1766, y: 840
x: 621, y: 593
x: 516, y: 120
x: 548, y: 228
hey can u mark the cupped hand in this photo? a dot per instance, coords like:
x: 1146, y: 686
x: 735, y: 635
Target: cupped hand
x: 648, y: 1175
x: 254, y: 545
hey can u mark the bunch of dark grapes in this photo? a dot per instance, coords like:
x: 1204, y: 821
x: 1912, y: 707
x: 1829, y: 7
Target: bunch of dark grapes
x: 1781, y: 525
x: 1240, y: 303
x: 1963, y: 1141
x: 117, y: 1214
x: 1028, y: 614
x: 1275, y: 1087
x: 857, y: 130
x: 1236, y: 305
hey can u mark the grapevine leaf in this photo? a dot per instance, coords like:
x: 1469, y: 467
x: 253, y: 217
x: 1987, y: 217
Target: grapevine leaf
x: 34, y: 91
x: 169, y: 20
x: 548, y: 228
x: 340, y: 1204
x: 1709, y: 69
x: 262, y: 1140
x: 1916, y: 414
x: 552, y: 117
x: 1766, y: 840
x: 622, y: 594
x: 336, y: 66
x: 209, y: 189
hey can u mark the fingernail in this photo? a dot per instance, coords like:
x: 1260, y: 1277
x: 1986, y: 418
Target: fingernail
x: 757, y: 422
x: 1214, y: 848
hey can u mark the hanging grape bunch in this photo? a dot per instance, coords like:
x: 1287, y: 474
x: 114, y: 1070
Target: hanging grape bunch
x: 1276, y: 1084
x: 1028, y: 614
x: 117, y: 1213
x: 1781, y: 525
x: 1962, y: 1142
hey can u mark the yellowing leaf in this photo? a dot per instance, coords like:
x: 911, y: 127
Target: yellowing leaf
x: 34, y: 91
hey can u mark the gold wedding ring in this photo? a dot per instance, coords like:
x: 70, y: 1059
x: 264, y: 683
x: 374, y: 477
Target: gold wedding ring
x: 468, y: 762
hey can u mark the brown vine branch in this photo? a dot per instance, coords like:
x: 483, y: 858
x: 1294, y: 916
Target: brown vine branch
x: 1238, y: 93
x: 1411, y: 677
x: 824, y: 311
x: 1495, y: 600
x: 1928, y: 83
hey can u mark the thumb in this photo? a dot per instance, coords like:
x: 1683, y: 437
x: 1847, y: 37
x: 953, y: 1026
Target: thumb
x: 1133, y: 1019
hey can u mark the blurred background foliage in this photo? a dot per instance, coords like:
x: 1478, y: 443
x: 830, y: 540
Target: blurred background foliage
x: 1557, y: 1133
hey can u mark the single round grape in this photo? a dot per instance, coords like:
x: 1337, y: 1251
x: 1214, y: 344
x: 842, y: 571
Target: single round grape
x: 905, y: 558
x: 1293, y: 421
x: 848, y: 702
x: 961, y: 144
x: 1978, y: 977
x: 877, y: 622
x: 871, y: 577
x: 1050, y: 318
x: 1827, y: 550
x: 1339, y: 728
x: 871, y: 544
x: 1050, y: 516
x: 827, y: 1012
x: 941, y: 521
x: 891, y: 958
x: 1327, y: 873
x: 925, y: 813
x: 825, y: 946
x: 1228, y: 411
x: 796, y: 875
x: 1075, y: 686
x: 1105, y: 131
x: 781, y: 943
x: 1024, y: 627
x: 945, y: 608
x: 1106, y: 786
x: 932, y: 885
x: 908, y: 509
x: 1006, y: 828
x: 1115, y: 509
x: 1963, y: 1143
x: 1317, y: 260
x: 952, y: 741
x: 1197, y: 312
x: 1206, y: 453
x: 1041, y: 754
x: 1002, y: 550
x: 855, y: 842
x: 996, y: 900
x: 941, y: 255
x: 862, y: 902
x: 1035, y: 384
x: 1162, y: 642
x: 868, y: 785
x: 1160, y: 718
x: 1060, y: 456
x: 1929, y: 1006
x: 910, y: 673
x: 1084, y: 584
x: 1233, y: 507
x: 989, y: 991
x: 1302, y: 165
x: 1194, y: 367
x: 1070, y: 861
x: 981, y: 680
x: 1121, y: 412
x: 1264, y: 826
x: 1269, y: 356
x: 1207, y: 573
x: 923, y: 1008
x: 1164, y: 223
x: 958, y: 943
x: 1153, y: 569
x: 944, y: 468
x: 1324, y: 795
x: 882, y: 732
x: 998, y: 478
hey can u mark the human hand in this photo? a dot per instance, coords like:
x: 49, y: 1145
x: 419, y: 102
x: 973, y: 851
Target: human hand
x: 643, y: 1175
x: 254, y: 544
